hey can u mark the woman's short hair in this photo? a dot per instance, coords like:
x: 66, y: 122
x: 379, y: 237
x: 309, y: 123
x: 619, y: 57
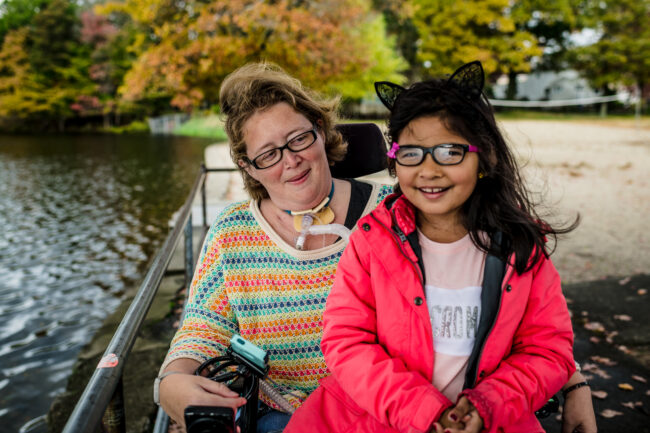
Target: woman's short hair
x: 258, y: 86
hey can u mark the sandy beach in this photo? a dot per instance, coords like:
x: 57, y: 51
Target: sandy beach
x: 596, y: 169
x: 600, y: 171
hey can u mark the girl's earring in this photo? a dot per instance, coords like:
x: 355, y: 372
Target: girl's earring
x: 481, y: 175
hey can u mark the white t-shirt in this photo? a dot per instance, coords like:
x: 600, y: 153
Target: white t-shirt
x: 454, y: 275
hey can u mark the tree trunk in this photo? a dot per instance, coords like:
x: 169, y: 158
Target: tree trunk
x: 603, y: 106
x: 511, y: 91
x: 641, y: 84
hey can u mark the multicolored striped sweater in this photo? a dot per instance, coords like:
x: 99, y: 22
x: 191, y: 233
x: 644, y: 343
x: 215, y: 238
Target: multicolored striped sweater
x: 250, y: 281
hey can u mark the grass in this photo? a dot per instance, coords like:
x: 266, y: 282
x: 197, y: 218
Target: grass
x: 549, y: 115
x: 211, y: 126
x: 203, y: 126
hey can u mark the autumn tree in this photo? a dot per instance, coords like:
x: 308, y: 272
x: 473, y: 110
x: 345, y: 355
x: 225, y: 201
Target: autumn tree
x: 188, y: 48
x: 20, y: 93
x: 43, y: 69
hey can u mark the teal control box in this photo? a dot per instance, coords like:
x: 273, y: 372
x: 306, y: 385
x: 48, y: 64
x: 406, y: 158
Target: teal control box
x: 252, y: 355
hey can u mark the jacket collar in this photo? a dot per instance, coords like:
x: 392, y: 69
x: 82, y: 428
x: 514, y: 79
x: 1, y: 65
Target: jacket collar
x: 403, y: 212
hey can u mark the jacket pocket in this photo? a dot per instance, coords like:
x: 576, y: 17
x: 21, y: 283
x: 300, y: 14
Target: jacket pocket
x: 332, y: 387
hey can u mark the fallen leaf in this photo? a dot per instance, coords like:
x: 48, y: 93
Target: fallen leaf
x: 626, y: 386
x: 629, y: 404
x: 624, y: 281
x: 594, y: 339
x: 602, y: 373
x: 584, y: 313
x: 624, y: 349
x: 595, y: 326
x: 610, y: 413
x: 599, y: 394
x: 588, y: 366
x: 639, y: 378
x: 641, y: 291
x: 622, y: 317
x: 603, y: 360
x: 609, y: 337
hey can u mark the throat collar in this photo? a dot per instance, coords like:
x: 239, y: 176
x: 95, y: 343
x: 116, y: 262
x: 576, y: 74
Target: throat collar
x: 320, y: 214
x: 316, y: 209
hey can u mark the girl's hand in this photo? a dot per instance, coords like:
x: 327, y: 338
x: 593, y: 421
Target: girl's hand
x: 179, y: 391
x: 578, y: 411
x: 466, y: 415
x: 446, y: 421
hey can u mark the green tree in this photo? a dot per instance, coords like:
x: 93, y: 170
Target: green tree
x: 383, y: 63
x: 15, y: 14
x: 453, y: 32
x: 621, y: 55
x: 551, y: 22
x: 399, y: 24
x: 58, y: 58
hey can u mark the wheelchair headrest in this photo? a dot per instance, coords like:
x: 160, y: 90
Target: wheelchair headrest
x: 366, y: 151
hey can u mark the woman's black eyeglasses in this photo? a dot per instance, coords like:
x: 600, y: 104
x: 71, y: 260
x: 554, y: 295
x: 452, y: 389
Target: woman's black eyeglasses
x: 443, y: 154
x: 272, y: 156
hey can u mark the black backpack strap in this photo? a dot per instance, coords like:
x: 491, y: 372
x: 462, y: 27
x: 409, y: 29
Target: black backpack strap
x: 493, y: 275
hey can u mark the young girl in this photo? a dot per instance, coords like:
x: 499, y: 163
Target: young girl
x: 446, y: 313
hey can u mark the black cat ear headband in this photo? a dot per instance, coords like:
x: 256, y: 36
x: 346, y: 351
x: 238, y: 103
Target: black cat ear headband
x: 469, y: 79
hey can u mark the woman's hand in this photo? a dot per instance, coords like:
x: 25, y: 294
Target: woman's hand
x: 178, y: 391
x: 578, y: 410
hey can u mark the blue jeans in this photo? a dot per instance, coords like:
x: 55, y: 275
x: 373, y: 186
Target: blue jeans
x: 271, y: 420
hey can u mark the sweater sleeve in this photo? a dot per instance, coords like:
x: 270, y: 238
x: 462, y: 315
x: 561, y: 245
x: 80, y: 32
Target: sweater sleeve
x: 379, y: 383
x: 209, y: 322
x: 540, y: 360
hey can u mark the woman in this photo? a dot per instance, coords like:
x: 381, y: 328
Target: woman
x: 251, y: 278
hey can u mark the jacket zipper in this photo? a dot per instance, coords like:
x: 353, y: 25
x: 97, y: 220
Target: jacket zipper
x: 403, y: 239
x: 480, y: 353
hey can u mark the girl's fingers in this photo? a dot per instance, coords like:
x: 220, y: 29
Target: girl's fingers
x: 438, y: 427
x: 474, y: 424
x: 463, y: 406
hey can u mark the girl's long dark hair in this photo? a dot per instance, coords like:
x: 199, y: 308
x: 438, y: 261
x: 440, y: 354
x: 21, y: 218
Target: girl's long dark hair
x: 500, y: 202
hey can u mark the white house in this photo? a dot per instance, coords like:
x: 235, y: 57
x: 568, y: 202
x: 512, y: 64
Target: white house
x: 547, y: 85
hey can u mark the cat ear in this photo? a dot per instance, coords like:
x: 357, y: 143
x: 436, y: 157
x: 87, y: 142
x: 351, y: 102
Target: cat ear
x: 388, y: 92
x: 470, y: 79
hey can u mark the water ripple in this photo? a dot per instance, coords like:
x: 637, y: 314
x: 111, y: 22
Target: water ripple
x: 81, y: 216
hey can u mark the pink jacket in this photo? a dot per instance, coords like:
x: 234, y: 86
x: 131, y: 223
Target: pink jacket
x: 378, y: 341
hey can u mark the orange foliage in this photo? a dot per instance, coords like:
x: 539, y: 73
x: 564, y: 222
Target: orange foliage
x: 316, y: 41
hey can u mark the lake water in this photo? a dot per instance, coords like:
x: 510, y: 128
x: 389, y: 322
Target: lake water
x: 80, y: 217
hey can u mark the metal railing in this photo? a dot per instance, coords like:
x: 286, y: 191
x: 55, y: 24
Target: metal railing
x: 102, y: 403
